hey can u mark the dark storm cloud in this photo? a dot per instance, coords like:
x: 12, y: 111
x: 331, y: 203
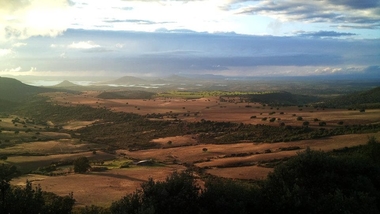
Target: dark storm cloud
x: 362, y: 26
x: 330, y: 11
x: 128, y: 52
x: 356, y: 4
x: 372, y: 70
x: 324, y: 34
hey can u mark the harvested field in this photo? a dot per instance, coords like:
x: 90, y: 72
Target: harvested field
x: 176, y: 141
x: 48, y: 147
x: 244, y: 172
x: 101, y: 188
x: 28, y: 163
x: 74, y: 125
x: 243, y: 154
x: 195, y: 153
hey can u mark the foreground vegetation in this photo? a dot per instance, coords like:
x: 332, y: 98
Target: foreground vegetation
x: 311, y: 182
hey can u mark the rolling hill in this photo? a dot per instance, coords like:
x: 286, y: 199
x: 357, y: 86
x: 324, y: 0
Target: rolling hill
x: 356, y: 100
x: 282, y: 98
x: 15, y: 91
x: 69, y: 86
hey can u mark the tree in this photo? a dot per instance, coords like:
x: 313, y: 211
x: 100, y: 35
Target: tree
x: 315, y: 182
x: 81, y: 165
x: 177, y: 194
x: 7, y: 172
x: 228, y: 196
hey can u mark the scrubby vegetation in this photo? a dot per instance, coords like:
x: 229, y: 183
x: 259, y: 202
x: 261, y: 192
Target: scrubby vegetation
x: 132, y: 131
x: 358, y: 100
x: 126, y: 95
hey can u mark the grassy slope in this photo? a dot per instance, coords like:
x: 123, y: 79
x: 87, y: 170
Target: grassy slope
x: 16, y: 91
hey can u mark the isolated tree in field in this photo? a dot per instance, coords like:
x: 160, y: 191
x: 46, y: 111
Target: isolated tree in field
x: 81, y: 165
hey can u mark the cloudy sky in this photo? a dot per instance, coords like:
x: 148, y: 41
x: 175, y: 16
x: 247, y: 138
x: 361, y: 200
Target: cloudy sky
x: 223, y: 37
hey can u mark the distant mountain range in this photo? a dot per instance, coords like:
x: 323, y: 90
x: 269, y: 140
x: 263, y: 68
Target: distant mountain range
x: 130, y: 80
x: 127, y: 80
x: 13, y: 92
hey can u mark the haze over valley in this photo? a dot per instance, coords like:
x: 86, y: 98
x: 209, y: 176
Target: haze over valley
x: 227, y: 106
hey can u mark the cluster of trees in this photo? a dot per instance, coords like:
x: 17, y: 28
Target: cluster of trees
x: 279, y: 98
x: 29, y: 199
x: 136, y: 94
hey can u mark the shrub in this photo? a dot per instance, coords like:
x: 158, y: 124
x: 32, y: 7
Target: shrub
x: 177, y: 194
x: 81, y: 165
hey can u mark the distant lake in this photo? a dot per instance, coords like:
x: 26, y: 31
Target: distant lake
x: 55, y: 82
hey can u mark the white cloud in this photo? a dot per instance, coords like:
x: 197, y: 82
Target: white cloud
x: 23, y: 19
x: 19, y: 44
x: 328, y: 70
x: 84, y: 45
x: 5, y: 52
x: 119, y: 45
x: 11, y: 70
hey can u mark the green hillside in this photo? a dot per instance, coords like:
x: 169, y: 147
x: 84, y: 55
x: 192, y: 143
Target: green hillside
x: 16, y: 91
x: 281, y: 98
x: 370, y: 98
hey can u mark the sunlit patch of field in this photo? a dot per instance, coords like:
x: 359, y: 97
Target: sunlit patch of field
x: 244, y: 172
x: 29, y: 163
x: 6, y: 123
x: 176, y: 141
x: 74, y: 125
x: 48, y: 147
x: 99, y: 188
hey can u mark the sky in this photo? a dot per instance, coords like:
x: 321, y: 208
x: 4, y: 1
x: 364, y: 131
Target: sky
x: 88, y: 38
